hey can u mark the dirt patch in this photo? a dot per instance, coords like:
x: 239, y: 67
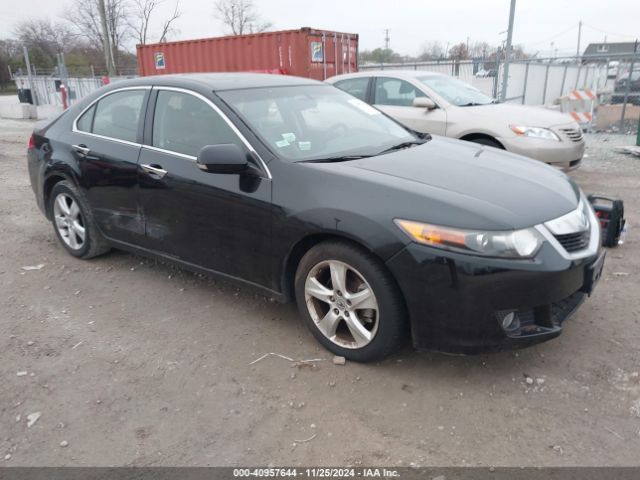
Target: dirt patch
x: 131, y: 362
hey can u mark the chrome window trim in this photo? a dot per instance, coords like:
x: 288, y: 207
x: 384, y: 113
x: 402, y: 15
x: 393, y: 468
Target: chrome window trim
x: 223, y: 116
x: 594, y: 238
x: 74, y: 126
x: 169, y: 152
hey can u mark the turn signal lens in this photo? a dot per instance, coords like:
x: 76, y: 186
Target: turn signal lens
x: 509, y: 244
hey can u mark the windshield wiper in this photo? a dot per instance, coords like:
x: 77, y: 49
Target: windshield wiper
x: 402, y: 145
x: 473, y: 104
x: 343, y: 158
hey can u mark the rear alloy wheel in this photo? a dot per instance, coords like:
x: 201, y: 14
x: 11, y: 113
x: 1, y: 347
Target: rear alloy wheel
x: 350, y: 302
x: 69, y: 222
x: 73, y: 222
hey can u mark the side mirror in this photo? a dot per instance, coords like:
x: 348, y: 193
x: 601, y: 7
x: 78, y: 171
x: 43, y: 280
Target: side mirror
x: 224, y: 158
x: 424, y: 102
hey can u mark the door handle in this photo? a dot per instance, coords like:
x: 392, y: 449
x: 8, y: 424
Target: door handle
x: 154, y: 170
x: 81, y: 150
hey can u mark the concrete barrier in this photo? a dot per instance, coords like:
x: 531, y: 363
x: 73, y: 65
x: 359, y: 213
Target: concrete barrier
x: 609, y: 115
x: 17, y: 111
x: 47, y: 111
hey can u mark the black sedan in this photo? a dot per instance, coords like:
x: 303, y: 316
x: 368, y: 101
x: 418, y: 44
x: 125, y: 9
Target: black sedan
x: 295, y: 187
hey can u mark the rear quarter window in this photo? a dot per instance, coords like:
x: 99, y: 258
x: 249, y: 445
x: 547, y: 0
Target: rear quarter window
x: 85, y: 122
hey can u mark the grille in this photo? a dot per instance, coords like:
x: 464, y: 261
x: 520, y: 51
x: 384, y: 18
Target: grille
x: 575, y: 135
x: 572, y: 242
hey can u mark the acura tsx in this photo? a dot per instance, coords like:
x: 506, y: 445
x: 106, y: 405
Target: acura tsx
x: 378, y: 233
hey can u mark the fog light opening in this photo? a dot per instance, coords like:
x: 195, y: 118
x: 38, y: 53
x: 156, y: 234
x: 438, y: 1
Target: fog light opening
x: 510, y: 322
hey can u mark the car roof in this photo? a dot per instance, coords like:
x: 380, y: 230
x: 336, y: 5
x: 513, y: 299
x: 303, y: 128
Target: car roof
x: 393, y: 73
x: 220, y: 81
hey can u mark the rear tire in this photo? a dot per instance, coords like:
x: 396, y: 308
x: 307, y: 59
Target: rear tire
x: 350, y: 302
x: 73, y: 222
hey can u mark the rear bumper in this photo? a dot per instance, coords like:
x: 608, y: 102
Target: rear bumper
x: 36, y: 178
x: 457, y: 302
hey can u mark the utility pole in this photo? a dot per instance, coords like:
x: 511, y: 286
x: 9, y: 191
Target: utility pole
x: 628, y: 87
x: 32, y: 85
x: 386, y: 39
x: 579, y: 35
x: 106, y: 41
x: 507, y: 53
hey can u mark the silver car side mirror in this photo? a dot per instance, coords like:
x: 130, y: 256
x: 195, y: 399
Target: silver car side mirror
x: 424, y: 102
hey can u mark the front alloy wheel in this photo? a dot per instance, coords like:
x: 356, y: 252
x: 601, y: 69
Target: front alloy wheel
x: 350, y: 301
x: 342, y: 304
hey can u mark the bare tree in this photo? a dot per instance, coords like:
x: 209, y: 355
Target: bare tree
x: 459, y: 51
x: 240, y: 16
x: 141, y: 18
x: 480, y: 49
x: 85, y: 18
x: 50, y: 37
x: 44, y: 39
x: 431, y: 51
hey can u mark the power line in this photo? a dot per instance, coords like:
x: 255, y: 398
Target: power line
x: 546, y: 40
x: 614, y: 34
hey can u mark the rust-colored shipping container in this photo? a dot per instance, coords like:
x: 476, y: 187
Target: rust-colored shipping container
x: 307, y: 52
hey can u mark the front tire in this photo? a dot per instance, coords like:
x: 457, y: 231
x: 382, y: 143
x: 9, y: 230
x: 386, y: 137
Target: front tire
x: 73, y: 222
x: 350, y: 302
x: 489, y: 142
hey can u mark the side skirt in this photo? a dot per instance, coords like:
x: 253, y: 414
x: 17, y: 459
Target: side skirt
x: 196, y: 268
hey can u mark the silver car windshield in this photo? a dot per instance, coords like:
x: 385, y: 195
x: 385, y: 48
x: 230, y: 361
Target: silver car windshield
x: 456, y: 92
x: 315, y: 122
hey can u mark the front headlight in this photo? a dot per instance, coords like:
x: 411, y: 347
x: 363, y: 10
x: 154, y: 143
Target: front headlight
x: 534, y: 132
x: 506, y: 244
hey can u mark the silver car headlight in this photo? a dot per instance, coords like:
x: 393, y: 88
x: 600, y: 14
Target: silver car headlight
x: 523, y: 243
x: 535, y: 132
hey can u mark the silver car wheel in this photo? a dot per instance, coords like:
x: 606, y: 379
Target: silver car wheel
x: 342, y: 304
x: 69, y: 221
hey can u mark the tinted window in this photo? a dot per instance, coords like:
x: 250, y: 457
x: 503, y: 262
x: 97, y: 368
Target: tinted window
x: 183, y: 123
x: 396, y: 92
x: 355, y: 86
x: 85, y: 121
x: 117, y: 115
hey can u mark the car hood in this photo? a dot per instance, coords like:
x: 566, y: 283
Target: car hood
x: 461, y: 184
x: 509, y: 114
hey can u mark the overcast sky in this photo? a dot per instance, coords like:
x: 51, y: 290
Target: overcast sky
x: 410, y: 22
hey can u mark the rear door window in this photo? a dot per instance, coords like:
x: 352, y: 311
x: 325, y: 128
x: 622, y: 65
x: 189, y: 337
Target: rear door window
x: 395, y: 92
x: 355, y: 86
x: 118, y: 115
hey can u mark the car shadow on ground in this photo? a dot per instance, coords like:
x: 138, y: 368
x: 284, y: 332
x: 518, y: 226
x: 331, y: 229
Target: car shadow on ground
x: 507, y: 364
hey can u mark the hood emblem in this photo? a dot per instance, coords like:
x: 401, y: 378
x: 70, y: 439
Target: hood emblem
x: 572, y: 222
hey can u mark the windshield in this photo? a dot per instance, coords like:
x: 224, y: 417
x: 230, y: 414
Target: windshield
x: 456, y: 92
x: 315, y: 122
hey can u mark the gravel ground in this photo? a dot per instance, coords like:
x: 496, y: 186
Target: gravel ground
x: 131, y: 362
